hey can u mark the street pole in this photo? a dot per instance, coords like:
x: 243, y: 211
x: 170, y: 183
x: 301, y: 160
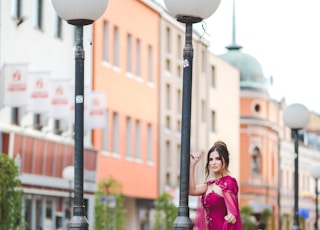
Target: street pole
x: 317, y: 214
x: 79, y: 220
x: 187, y: 12
x: 70, y: 201
x: 183, y: 220
x: 296, y: 116
x: 296, y: 180
x: 79, y: 14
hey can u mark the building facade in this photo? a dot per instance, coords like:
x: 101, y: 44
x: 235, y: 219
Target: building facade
x: 126, y: 67
x: 36, y: 44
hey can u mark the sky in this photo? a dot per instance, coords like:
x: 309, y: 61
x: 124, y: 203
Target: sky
x: 283, y: 35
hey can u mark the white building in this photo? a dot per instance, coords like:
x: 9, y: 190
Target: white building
x: 34, y: 40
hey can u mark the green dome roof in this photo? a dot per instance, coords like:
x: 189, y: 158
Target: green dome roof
x: 251, y: 74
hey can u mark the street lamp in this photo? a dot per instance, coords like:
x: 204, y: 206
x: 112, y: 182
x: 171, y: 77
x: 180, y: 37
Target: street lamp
x: 68, y: 174
x: 79, y: 13
x: 188, y: 12
x: 315, y: 173
x: 296, y: 117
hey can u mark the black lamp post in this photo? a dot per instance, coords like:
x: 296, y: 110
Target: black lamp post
x: 296, y: 117
x: 188, y: 12
x: 79, y: 13
x: 315, y: 173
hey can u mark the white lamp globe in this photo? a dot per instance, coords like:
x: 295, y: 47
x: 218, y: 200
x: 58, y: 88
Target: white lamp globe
x: 80, y: 12
x: 296, y: 116
x: 68, y: 173
x: 201, y: 9
x: 315, y: 171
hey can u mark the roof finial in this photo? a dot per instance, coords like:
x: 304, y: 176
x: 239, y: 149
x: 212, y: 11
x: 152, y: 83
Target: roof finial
x: 234, y: 45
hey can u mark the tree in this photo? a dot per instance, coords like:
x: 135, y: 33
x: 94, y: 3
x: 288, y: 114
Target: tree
x: 109, y: 203
x: 11, y: 200
x: 166, y: 212
x: 265, y: 215
x: 246, y: 214
x: 285, y: 221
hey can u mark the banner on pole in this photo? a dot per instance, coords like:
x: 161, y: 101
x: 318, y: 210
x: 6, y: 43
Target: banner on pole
x: 39, y: 92
x: 96, y: 102
x: 15, y: 90
x: 59, y: 99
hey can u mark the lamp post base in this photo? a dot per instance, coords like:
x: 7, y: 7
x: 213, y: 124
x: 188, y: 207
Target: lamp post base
x: 78, y: 222
x: 295, y: 227
x: 183, y: 221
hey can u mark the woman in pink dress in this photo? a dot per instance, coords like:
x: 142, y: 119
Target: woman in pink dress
x: 218, y: 208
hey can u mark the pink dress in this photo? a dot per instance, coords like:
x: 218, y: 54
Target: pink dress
x: 213, y: 208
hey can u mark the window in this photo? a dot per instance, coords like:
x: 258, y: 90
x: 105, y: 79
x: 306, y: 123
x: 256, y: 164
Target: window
x: 168, y: 122
x: 213, y: 76
x: 138, y: 58
x: 178, y: 126
x: 150, y: 64
x: 116, y: 46
x: 203, y: 111
x: 129, y: 137
x: 38, y: 121
x: 179, y: 71
x: 150, y: 144
x: 168, y: 97
x: 16, y: 115
x: 179, y: 101
x: 168, y: 37
x: 115, y: 133
x: 105, y: 134
x: 16, y: 9
x: 213, y: 121
x: 106, y: 41
x: 177, y: 163
x: 179, y: 47
x: 38, y: 17
x: 58, y: 27
x: 129, y: 53
x: 168, y: 65
x: 204, y: 60
x: 255, y: 160
x: 138, y: 140
x: 168, y: 155
x: 257, y: 108
x: 167, y: 178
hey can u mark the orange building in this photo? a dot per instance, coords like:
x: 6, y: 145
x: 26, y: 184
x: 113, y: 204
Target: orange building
x: 126, y: 67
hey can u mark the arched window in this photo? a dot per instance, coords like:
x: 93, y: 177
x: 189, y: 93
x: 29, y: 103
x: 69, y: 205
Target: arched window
x: 256, y: 160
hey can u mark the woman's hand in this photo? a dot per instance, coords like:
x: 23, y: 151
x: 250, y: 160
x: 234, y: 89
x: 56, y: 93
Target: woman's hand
x: 230, y: 218
x: 195, y: 158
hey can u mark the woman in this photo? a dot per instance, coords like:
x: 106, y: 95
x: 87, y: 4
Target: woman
x: 219, y: 208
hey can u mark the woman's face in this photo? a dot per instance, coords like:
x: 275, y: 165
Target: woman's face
x: 215, y: 162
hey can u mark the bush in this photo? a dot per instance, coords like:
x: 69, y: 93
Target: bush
x: 109, y: 202
x: 11, y: 200
x: 246, y: 215
x: 166, y: 212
